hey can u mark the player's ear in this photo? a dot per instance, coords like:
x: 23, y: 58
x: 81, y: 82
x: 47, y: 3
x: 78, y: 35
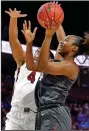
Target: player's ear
x: 74, y: 48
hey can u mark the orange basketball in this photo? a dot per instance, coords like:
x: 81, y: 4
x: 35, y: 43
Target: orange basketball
x: 49, y: 12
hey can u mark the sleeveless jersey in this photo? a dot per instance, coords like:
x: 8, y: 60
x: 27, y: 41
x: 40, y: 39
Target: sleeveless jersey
x: 24, y: 87
x: 52, y: 89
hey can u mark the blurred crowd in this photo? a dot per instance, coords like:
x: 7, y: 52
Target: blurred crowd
x: 79, y: 110
x: 80, y: 116
x: 6, y: 95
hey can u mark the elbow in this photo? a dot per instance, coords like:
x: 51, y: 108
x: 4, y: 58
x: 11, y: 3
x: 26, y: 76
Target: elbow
x: 41, y: 67
x: 28, y: 68
x: 33, y: 68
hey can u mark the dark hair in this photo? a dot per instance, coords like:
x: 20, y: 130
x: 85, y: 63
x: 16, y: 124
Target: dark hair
x: 51, y: 55
x: 83, y: 46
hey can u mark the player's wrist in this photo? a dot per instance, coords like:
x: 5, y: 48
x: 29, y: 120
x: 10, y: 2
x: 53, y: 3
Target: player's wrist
x: 48, y: 36
x: 13, y: 18
x: 29, y: 41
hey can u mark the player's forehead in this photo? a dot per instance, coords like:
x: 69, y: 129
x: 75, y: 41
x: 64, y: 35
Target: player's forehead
x: 70, y: 38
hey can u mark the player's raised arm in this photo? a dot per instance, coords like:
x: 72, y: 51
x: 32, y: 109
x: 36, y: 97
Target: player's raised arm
x: 15, y: 44
x: 60, y: 33
x: 44, y: 53
x: 29, y: 36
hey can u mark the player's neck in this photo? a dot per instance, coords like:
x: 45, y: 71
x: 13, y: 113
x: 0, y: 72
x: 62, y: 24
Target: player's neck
x: 68, y: 58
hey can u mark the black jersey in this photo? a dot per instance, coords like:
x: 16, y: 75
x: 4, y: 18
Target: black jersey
x: 52, y: 89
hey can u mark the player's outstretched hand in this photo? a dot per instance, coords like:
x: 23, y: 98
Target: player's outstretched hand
x: 15, y: 13
x: 29, y: 36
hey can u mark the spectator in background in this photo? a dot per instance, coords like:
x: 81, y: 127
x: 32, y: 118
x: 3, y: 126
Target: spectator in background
x: 82, y: 119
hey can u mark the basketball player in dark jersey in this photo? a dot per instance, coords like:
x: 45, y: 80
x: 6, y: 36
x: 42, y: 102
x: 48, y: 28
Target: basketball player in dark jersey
x: 59, y: 76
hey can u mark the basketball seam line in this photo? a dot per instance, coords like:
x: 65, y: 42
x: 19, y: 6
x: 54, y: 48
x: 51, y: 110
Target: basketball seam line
x: 59, y: 16
x: 41, y: 18
x: 54, y: 13
x: 47, y: 15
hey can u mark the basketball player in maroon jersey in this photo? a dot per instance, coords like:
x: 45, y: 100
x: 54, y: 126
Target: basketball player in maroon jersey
x: 24, y: 84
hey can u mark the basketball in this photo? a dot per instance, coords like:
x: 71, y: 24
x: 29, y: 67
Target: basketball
x: 50, y: 12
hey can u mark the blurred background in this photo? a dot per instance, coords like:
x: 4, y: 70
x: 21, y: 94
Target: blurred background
x: 76, y: 21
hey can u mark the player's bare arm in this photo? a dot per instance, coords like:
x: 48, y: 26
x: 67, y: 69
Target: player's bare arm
x: 17, y: 51
x: 29, y: 36
x: 54, y: 68
x: 44, y: 53
x: 60, y: 33
x: 61, y: 68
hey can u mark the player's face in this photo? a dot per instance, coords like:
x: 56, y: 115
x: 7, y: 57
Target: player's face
x: 36, y: 54
x: 67, y: 45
